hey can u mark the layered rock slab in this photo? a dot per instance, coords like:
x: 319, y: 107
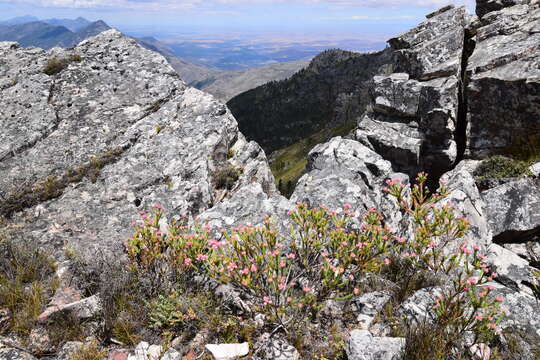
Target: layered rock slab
x: 124, y: 130
x: 416, y: 112
x: 503, y: 92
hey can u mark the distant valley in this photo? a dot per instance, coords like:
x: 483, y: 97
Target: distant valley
x: 220, y: 82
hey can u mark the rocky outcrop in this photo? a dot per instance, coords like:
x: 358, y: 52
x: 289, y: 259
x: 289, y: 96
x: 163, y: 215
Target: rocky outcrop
x: 503, y: 90
x: 415, y: 112
x: 513, y: 210
x: 363, y: 346
x: 113, y: 133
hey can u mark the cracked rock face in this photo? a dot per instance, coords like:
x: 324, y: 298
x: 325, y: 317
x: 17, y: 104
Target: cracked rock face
x: 416, y: 112
x: 504, y: 80
x: 112, y: 134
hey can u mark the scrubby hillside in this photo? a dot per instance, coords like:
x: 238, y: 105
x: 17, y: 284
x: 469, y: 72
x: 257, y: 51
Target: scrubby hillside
x: 330, y: 92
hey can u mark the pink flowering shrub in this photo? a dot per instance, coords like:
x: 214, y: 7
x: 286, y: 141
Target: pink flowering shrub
x: 324, y: 261
x: 465, y: 305
x: 326, y: 258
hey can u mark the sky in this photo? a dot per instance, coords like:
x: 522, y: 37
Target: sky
x: 372, y: 19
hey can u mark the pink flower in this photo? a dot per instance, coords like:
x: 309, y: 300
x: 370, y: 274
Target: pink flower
x: 472, y: 280
x: 187, y: 261
x: 291, y: 256
x: 347, y: 206
x: 267, y: 300
x: 231, y: 266
x: 306, y: 289
x: 504, y: 311
x: 479, y: 317
x: 387, y: 261
x: 492, y: 326
x: 281, y: 286
x: 290, y: 212
x: 253, y: 268
x: 202, y: 257
x: 244, y: 271
x: 499, y: 299
x: 282, y: 264
x: 289, y: 299
x: 356, y: 291
x: 159, y: 207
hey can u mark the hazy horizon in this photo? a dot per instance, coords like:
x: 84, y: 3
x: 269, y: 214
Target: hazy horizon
x: 374, y: 20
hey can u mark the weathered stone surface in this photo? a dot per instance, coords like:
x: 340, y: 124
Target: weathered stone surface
x: 466, y: 199
x: 165, y: 143
x: 412, y: 123
x: 503, y: 92
x: 418, y: 308
x: 513, y: 210
x: 10, y: 349
x: 367, y: 306
x: 349, y: 173
x: 512, y: 271
x: 432, y: 49
x: 276, y: 348
x: 484, y: 7
x: 68, y: 350
x: 535, y: 169
x: 363, y: 346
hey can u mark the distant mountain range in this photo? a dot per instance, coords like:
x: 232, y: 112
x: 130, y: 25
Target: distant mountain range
x: 47, y: 34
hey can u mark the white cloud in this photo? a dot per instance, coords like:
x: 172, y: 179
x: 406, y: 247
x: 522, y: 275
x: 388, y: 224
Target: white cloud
x: 159, y: 5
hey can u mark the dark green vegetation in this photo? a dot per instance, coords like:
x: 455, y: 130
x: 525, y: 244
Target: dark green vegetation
x: 289, y: 164
x: 500, y: 167
x: 330, y: 92
x: 516, y: 161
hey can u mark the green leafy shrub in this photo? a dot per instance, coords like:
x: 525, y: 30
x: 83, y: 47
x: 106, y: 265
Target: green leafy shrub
x: 226, y: 177
x: 498, y: 167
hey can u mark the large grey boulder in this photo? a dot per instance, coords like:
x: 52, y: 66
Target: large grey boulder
x: 503, y: 89
x: 467, y: 201
x: 115, y: 132
x: 350, y: 173
x: 433, y: 49
x: 412, y: 123
x: 363, y: 346
x: 513, y: 210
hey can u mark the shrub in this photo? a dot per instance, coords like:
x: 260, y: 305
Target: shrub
x: 327, y: 258
x: 498, y: 167
x: 26, y: 282
x: 226, y: 177
x: 90, y: 351
x: 55, y: 65
x: 465, y: 305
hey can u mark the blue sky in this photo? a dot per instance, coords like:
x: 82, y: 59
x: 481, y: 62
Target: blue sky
x: 372, y: 18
